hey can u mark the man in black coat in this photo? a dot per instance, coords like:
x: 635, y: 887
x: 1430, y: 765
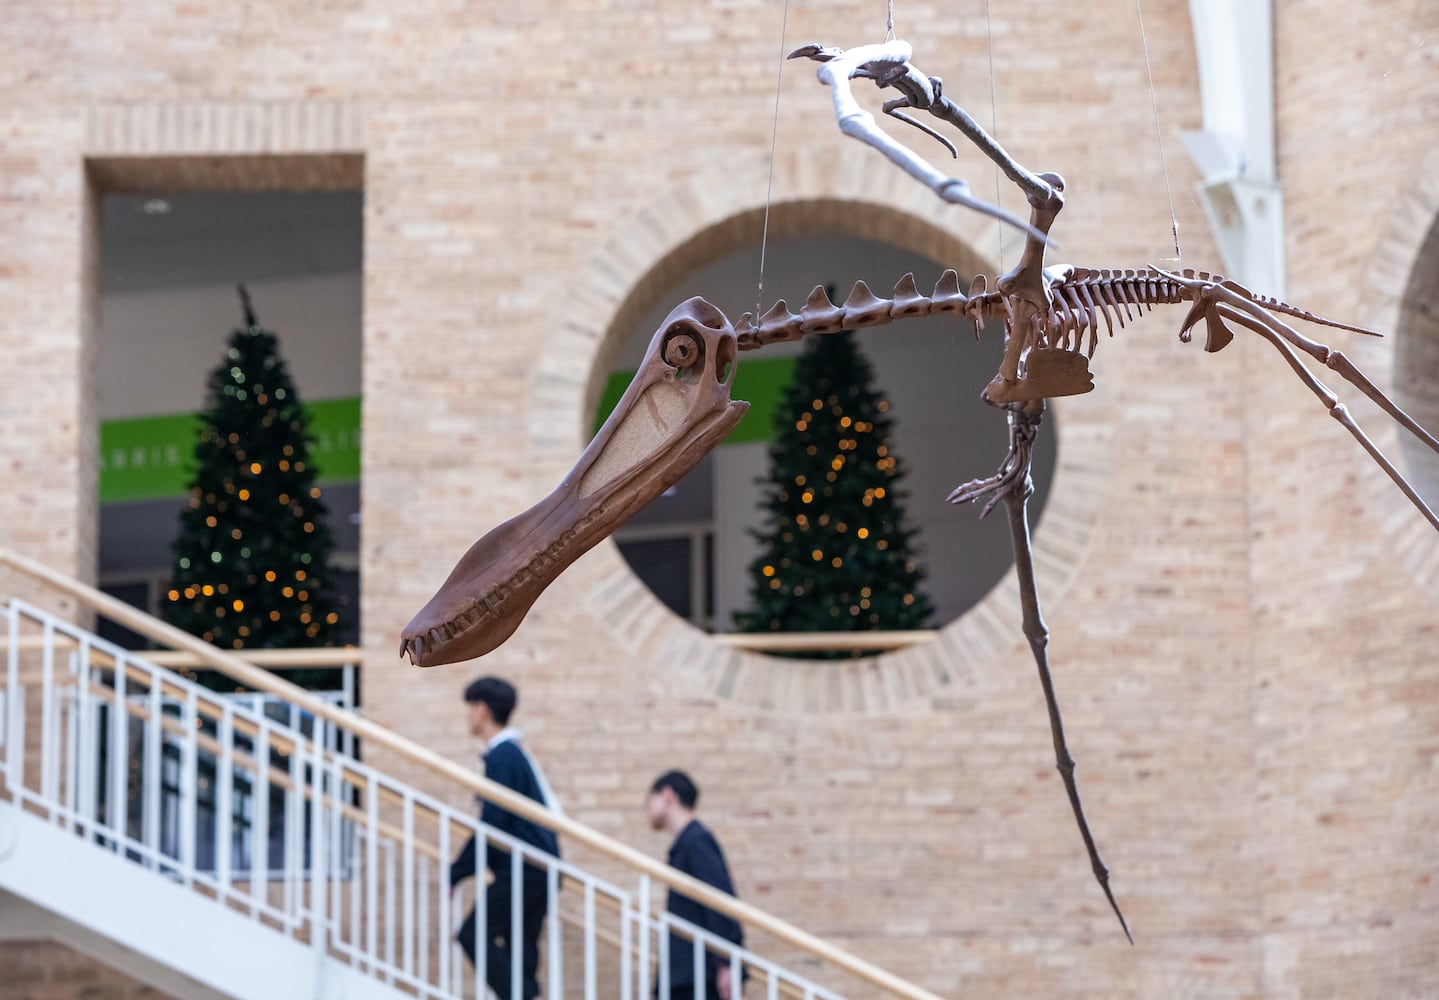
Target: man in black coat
x: 491, y: 701
x: 695, y: 852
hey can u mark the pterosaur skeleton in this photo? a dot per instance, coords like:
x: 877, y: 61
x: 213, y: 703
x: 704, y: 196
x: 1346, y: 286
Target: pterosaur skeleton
x: 677, y: 407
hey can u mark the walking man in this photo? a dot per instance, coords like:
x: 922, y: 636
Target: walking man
x: 490, y: 702
x: 671, y: 806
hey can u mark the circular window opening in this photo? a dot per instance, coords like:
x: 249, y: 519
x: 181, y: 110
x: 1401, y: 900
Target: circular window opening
x: 754, y: 516
x: 1417, y: 359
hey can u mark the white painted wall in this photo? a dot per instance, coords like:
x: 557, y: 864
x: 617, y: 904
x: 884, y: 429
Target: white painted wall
x: 159, y: 345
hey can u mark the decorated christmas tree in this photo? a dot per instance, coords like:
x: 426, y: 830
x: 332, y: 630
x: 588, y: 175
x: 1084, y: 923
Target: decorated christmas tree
x: 252, y: 558
x: 836, y: 552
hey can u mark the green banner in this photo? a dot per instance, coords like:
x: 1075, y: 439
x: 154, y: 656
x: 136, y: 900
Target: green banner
x: 762, y: 381
x: 151, y: 458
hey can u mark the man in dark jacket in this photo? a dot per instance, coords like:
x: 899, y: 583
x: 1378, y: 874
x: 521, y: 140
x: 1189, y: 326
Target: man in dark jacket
x: 695, y: 852
x: 490, y: 701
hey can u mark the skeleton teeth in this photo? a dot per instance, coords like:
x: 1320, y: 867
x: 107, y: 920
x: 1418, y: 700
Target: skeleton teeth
x: 863, y: 308
x: 819, y: 314
x: 907, y: 300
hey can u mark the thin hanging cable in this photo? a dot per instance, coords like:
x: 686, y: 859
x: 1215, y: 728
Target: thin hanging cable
x: 889, y: 21
x: 769, y: 190
x: 1158, y: 131
x: 994, y: 126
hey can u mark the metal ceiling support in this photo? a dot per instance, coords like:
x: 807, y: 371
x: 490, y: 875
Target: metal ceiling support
x: 1241, y: 195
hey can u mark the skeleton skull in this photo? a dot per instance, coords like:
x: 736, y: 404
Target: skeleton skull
x: 675, y: 410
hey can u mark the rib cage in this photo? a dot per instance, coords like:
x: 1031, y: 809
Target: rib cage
x: 1081, y: 300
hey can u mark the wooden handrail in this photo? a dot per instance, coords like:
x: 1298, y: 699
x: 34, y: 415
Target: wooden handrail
x: 823, y: 642
x: 376, y: 735
x: 320, y: 657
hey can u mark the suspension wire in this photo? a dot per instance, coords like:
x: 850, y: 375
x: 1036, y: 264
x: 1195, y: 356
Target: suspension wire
x: 1158, y: 131
x: 889, y: 21
x: 769, y: 190
x: 994, y: 126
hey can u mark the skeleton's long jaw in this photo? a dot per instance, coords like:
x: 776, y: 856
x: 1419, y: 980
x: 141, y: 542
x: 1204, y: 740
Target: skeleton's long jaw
x: 675, y: 411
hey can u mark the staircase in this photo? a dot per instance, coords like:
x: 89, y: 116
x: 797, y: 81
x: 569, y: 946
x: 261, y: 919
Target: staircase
x: 213, y: 846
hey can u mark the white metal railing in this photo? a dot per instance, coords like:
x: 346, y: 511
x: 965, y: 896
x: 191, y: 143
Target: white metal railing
x: 828, y: 960
x: 149, y: 765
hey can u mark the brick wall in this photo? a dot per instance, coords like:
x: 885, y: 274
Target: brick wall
x: 1241, y: 609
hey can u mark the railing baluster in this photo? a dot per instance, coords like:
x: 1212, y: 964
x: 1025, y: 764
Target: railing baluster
x: 117, y: 803
x: 356, y: 911
x: 189, y: 786
x: 482, y: 915
x: 87, y: 724
x: 457, y: 951
x: 334, y: 871
x: 516, y: 935
x: 319, y: 856
x: 389, y: 908
x: 626, y: 936
x: 68, y: 706
x: 554, y: 950
x: 260, y: 819
x: 407, y: 889
x: 372, y: 868
x: 294, y: 845
x: 589, y: 940
x: 224, y: 798
x: 347, y: 689
x: 642, y: 916
x: 442, y: 934
x: 49, y: 765
x: 153, y: 750
x: 662, y: 942
x: 423, y: 968
x: 14, y: 705
x: 698, y: 966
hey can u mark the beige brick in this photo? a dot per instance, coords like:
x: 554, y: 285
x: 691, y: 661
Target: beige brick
x: 1241, y: 609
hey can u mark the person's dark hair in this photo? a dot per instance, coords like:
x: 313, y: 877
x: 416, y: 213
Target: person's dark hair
x: 684, y: 788
x: 498, y: 695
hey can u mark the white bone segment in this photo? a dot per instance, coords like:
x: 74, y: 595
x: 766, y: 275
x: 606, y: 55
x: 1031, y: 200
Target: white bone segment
x: 892, y: 57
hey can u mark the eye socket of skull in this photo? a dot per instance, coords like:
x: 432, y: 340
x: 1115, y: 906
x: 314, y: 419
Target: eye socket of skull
x: 724, y: 360
x: 683, y: 349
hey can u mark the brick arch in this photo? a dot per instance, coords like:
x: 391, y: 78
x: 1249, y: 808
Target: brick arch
x: 1403, y: 276
x: 696, y: 222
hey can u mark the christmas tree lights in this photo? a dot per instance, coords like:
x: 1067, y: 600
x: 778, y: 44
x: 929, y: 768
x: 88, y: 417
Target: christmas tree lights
x: 251, y: 565
x: 836, y: 552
